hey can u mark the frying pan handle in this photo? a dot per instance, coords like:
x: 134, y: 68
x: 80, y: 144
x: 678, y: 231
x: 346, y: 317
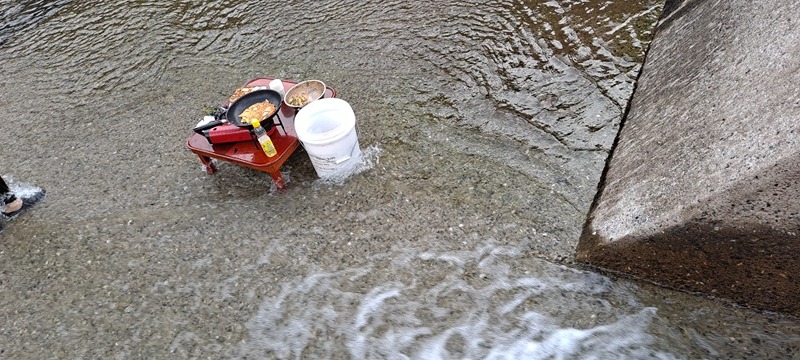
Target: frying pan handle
x: 207, y: 126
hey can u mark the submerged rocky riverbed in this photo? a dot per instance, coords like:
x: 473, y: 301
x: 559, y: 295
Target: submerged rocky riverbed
x: 484, y: 126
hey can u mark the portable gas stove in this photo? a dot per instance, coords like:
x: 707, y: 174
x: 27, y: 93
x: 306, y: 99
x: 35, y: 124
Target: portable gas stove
x: 220, y: 131
x: 229, y: 133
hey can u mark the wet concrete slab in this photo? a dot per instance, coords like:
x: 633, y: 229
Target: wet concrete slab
x: 701, y: 191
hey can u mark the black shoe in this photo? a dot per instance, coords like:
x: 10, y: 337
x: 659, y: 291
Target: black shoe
x: 27, y: 203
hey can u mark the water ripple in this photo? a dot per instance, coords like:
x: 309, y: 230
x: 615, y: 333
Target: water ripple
x: 492, y: 120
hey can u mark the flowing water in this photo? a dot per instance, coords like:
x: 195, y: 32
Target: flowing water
x: 484, y: 125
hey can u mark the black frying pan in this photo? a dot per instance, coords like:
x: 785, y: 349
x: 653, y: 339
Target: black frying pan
x: 242, y: 103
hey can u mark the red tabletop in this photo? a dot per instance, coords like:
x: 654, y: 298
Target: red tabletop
x: 249, y: 153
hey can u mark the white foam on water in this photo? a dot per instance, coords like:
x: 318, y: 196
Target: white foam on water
x: 626, y: 338
x: 370, y: 306
x: 367, y: 160
x: 457, y: 304
x: 21, y: 190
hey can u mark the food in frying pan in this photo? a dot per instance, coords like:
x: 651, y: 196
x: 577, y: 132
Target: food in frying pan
x: 257, y: 111
x: 239, y: 93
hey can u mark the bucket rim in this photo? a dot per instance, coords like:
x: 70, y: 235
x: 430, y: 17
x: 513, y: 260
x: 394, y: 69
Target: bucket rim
x: 343, y: 128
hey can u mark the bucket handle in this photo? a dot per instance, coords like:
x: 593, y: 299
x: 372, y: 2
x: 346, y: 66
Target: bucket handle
x: 339, y: 161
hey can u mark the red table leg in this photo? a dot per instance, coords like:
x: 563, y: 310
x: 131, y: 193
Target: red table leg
x: 277, y: 178
x: 208, y: 163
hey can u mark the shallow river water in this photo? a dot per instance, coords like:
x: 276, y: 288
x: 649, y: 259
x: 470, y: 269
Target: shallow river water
x: 484, y: 126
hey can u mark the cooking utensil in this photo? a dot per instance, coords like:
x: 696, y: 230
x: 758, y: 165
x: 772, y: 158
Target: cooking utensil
x: 304, y: 93
x: 227, y: 133
x: 240, y: 105
x: 207, y: 125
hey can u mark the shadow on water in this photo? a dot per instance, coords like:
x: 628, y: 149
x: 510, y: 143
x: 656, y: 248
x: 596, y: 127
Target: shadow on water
x: 485, y: 125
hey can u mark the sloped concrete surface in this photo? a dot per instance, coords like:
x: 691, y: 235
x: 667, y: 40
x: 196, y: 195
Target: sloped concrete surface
x: 702, y: 190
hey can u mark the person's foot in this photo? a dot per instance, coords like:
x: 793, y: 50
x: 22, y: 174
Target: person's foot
x: 23, y: 203
x: 13, y: 206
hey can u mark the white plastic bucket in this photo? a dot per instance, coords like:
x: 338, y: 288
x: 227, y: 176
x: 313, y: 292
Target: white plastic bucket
x: 327, y: 130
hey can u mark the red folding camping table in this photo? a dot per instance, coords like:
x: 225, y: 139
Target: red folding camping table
x: 248, y: 153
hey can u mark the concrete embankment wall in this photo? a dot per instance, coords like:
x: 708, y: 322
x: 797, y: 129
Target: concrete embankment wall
x: 702, y: 189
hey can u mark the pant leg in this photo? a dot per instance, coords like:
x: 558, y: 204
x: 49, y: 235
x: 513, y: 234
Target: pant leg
x: 5, y: 193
